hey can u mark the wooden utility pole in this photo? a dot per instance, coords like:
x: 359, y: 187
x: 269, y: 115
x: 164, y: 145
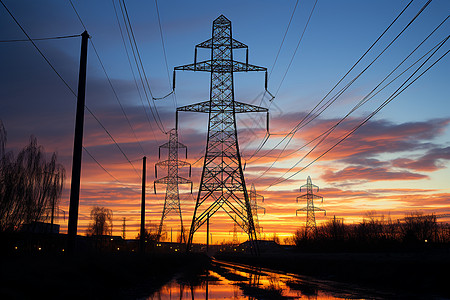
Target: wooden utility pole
x: 142, y: 233
x: 77, y: 148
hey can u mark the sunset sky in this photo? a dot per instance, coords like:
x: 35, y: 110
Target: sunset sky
x: 396, y: 163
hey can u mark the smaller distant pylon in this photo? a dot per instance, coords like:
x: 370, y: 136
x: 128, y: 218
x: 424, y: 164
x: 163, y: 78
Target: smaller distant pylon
x: 254, y: 207
x: 310, y: 209
x: 172, y: 180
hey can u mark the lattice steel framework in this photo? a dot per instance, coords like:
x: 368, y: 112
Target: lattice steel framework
x: 310, y: 208
x: 222, y: 182
x: 172, y: 180
x: 254, y: 205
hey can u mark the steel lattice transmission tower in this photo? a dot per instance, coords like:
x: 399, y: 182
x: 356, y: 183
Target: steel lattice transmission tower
x: 222, y: 183
x: 172, y: 180
x: 254, y: 205
x: 310, y: 208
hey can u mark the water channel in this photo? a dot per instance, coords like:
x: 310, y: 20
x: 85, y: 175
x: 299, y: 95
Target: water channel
x: 236, y: 281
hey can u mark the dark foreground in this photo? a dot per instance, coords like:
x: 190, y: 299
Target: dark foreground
x: 93, y: 276
x: 415, y: 275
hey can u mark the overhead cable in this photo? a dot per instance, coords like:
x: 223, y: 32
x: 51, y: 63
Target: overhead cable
x: 397, y: 92
x: 132, y: 71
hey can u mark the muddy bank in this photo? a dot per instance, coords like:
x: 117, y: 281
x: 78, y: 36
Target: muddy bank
x: 418, y: 274
x: 99, y: 276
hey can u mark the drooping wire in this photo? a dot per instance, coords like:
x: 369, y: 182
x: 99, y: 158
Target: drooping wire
x: 95, y: 117
x: 300, y: 125
x: 106, y: 171
x: 165, y: 55
x: 267, y: 135
x: 37, y: 48
x: 396, y: 93
x: 154, y: 111
x: 369, y: 96
x: 117, y: 98
x: 296, y: 49
x: 132, y: 71
x: 362, y: 102
x: 284, y: 37
x: 50, y: 64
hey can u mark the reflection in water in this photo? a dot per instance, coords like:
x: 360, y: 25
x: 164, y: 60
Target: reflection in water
x: 234, y: 281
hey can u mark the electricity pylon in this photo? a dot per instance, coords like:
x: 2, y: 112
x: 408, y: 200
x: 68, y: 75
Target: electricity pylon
x: 254, y: 205
x: 222, y: 183
x: 172, y: 180
x: 310, y: 208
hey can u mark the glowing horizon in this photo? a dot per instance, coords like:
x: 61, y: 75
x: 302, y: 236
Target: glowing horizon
x: 396, y: 163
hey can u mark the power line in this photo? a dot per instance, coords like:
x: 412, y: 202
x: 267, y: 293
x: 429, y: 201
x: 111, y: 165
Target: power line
x: 106, y: 171
x: 164, y: 51
x: 284, y: 37
x: 397, y: 92
x: 109, y: 80
x: 37, y: 48
x: 56, y: 72
x: 300, y: 125
x: 267, y: 135
x: 117, y: 98
x: 132, y: 71
x: 41, y: 39
x: 369, y: 95
x: 325, y: 134
x: 154, y: 113
x: 95, y: 117
x: 296, y: 48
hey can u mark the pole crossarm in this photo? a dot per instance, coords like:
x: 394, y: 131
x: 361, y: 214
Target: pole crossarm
x: 225, y: 66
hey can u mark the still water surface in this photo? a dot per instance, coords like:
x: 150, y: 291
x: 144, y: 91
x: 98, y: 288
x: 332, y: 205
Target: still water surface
x: 235, y: 281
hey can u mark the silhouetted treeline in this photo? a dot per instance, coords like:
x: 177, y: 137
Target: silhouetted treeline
x: 376, y: 233
x: 30, y: 186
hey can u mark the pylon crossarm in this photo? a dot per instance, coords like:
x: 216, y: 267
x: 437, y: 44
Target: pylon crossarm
x: 301, y: 210
x: 315, y: 208
x: 209, y: 44
x: 203, y: 107
x: 165, y: 163
x: 225, y: 66
x: 240, y: 107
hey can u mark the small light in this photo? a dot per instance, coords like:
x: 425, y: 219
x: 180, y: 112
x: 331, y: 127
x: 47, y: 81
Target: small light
x: 39, y: 248
x: 111, y: 239
x: 15, y: 247
x: 176, y: 250
x: 118, y: 249
x: 62, y: 250
x: 426, y: 241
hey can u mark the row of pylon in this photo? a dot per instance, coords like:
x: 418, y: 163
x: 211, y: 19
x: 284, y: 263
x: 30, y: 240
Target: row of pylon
x: 222, y: 184
x: 172, y: 180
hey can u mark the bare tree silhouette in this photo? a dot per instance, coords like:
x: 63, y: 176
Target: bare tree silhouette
x: 101, y: 221
x: 30, y: 187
